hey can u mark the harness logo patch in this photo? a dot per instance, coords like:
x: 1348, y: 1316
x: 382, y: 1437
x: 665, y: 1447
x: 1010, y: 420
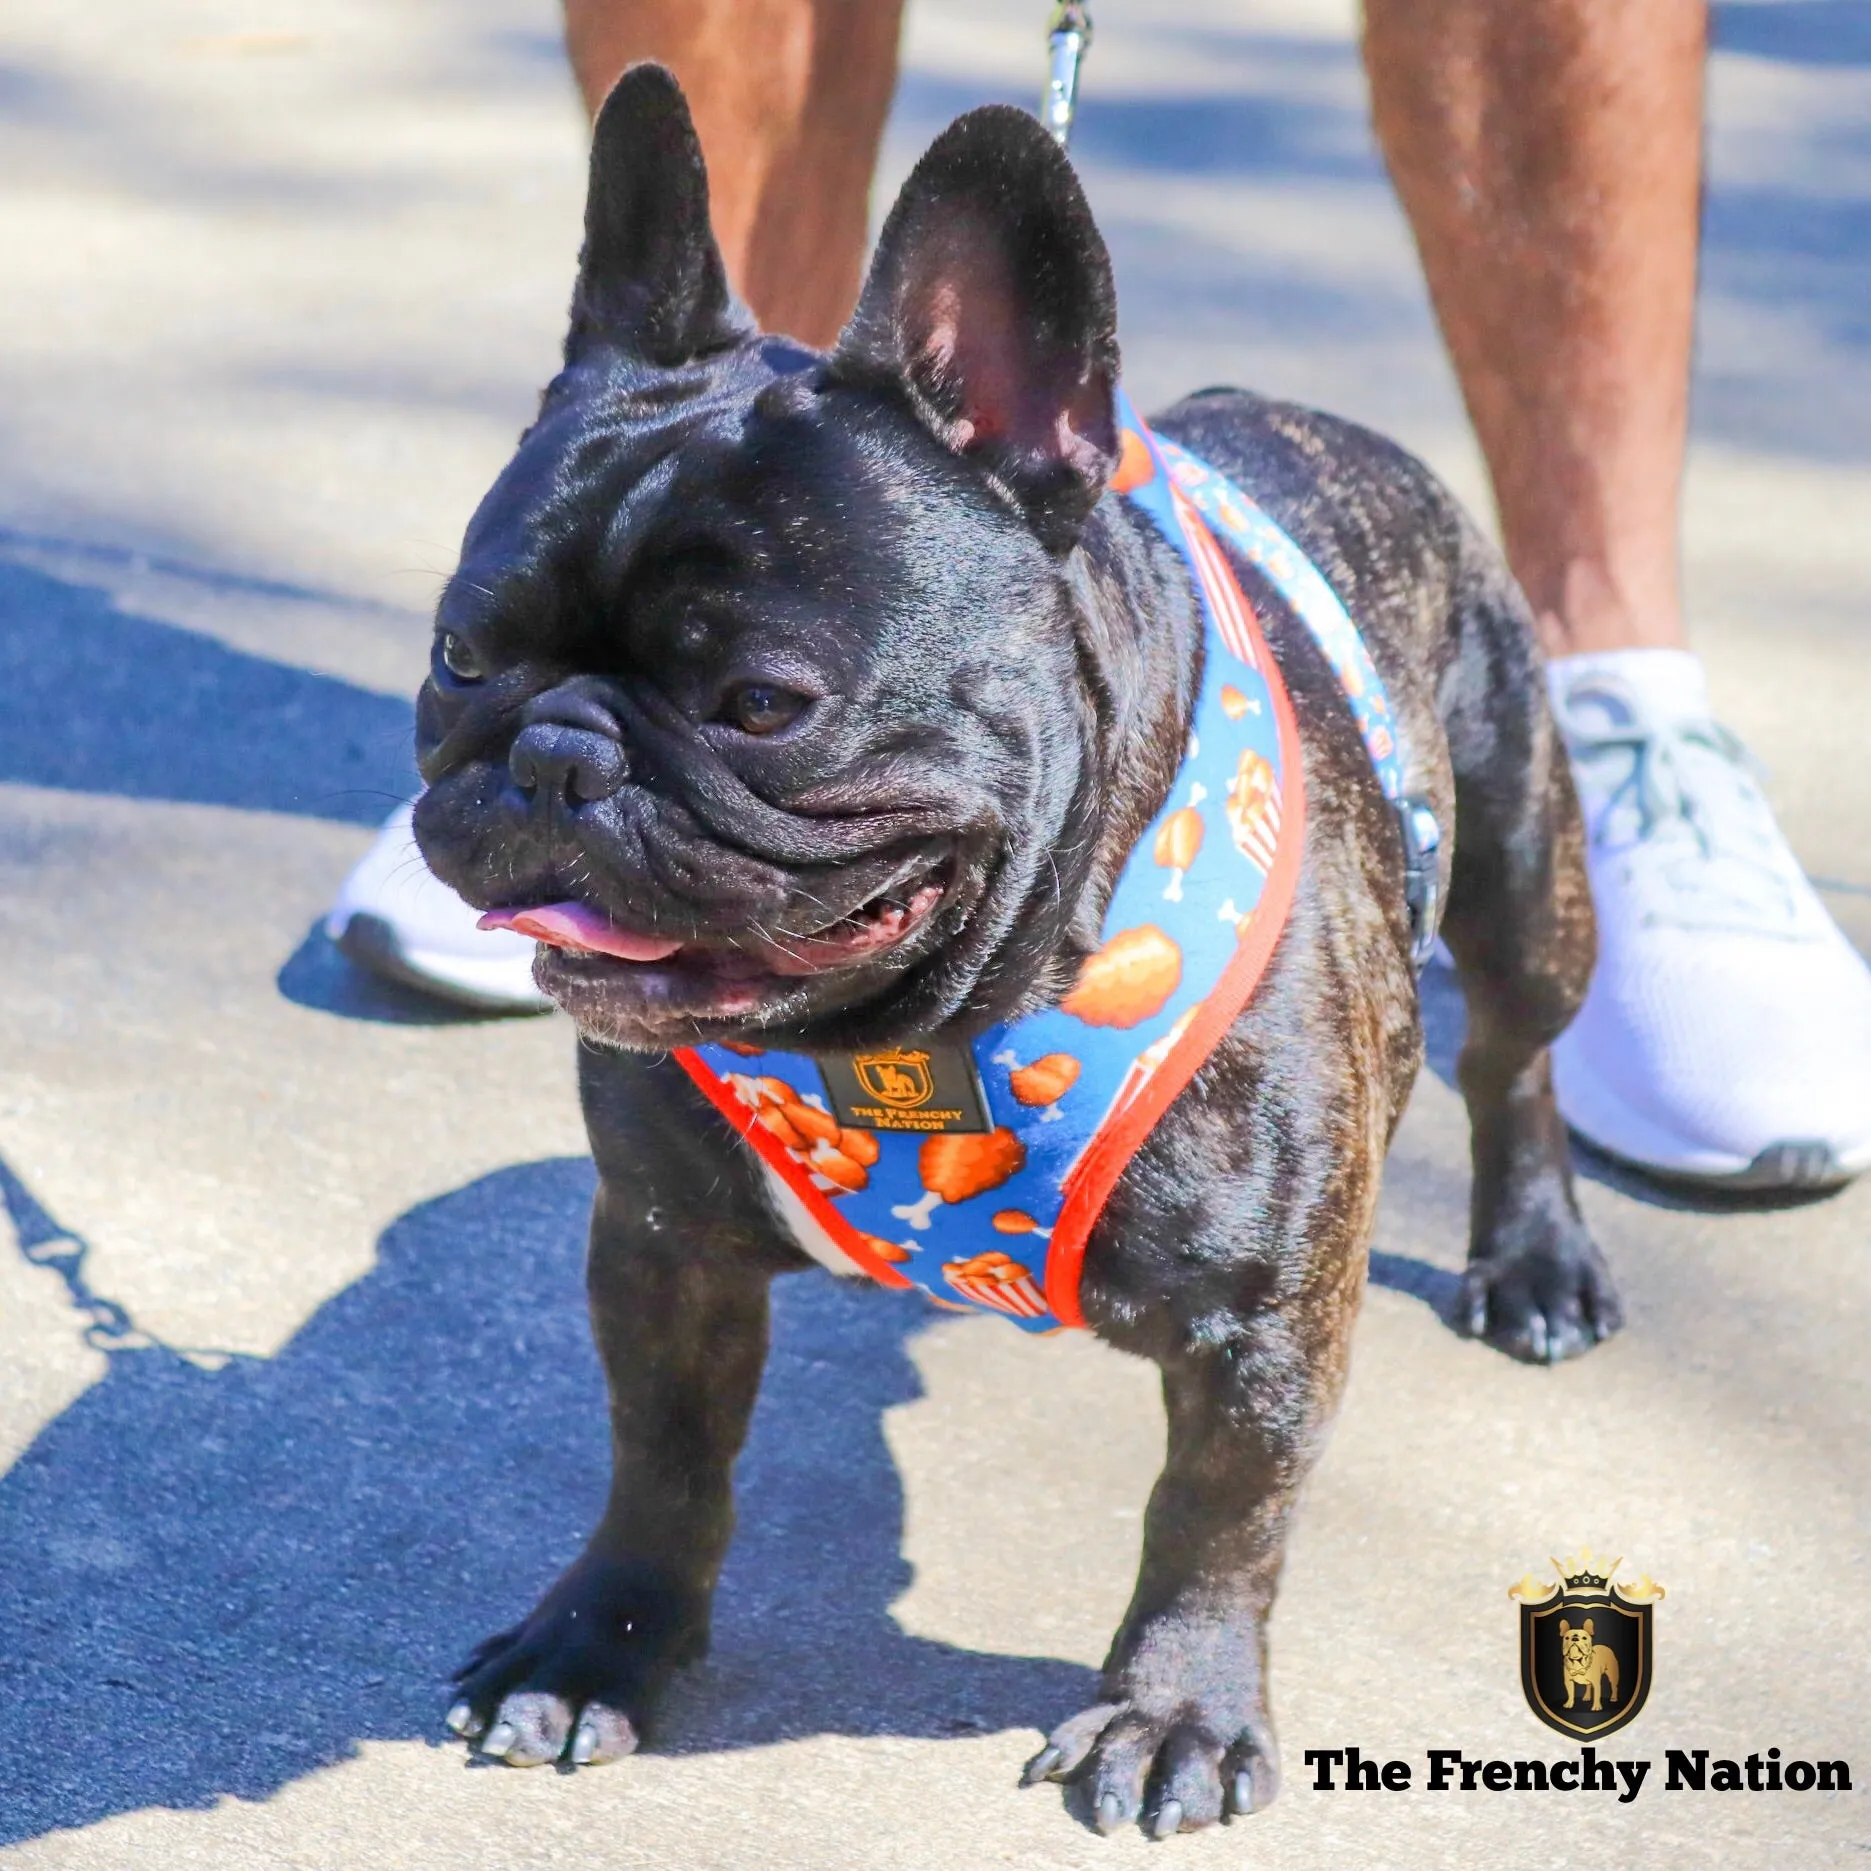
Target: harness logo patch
x: 927, y: 1088
x: 1586, y: 1651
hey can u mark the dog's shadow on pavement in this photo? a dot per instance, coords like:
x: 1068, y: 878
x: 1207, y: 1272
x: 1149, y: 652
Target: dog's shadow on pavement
x: 215, y: 1581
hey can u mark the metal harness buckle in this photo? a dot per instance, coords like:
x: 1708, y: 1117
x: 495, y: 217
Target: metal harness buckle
x: 1422, y: 883
x: 1067, y: 39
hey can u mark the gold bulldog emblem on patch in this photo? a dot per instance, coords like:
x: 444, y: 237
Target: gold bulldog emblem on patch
x: 901, y: 1080
x: 1586, y: 1651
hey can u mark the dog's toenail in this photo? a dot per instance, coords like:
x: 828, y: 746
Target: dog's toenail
x: 1168, y: 1820
x: 500, y: 1738
x: 1041, y: 1765
x: 1110, y: 1813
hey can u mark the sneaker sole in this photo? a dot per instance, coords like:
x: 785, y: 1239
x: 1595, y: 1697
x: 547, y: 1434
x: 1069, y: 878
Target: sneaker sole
x: 1808, y: 1168
x: 371, y: 943
x: 1790, y: 1166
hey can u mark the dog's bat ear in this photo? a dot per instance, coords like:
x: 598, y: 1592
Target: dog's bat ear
x: 650, y: 278
x: 990, y: 306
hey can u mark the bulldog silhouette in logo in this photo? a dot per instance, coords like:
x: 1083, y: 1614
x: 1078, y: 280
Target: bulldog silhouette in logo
x: 898, y: 1078
x: 1587, y: 1665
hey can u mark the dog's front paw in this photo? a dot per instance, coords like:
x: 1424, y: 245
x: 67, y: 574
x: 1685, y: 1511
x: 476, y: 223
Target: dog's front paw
x: 577, y: 1680
x: 1541, y: 1302
x: 1173, y: 1772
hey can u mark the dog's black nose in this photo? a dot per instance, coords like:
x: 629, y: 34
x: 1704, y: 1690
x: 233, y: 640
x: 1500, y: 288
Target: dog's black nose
x: 573, y: 764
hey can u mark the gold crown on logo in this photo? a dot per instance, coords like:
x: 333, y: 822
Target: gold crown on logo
x: 1581, y: 1572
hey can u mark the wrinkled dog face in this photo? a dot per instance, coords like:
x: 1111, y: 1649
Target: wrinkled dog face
x: 1577, y: 1644
x: 759, y: 694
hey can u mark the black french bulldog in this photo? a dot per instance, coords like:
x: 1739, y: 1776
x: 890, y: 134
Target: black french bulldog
x: 835, y: 689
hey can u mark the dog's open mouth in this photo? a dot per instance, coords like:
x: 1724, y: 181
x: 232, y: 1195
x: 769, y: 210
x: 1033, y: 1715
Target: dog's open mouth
x: 718, y: 977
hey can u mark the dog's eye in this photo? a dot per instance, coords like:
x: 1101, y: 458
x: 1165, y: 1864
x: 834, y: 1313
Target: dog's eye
x: 459, y: 659
x: 761, y: 708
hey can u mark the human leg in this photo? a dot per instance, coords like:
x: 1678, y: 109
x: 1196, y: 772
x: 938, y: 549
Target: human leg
x: 1548, y: 153
x: 789, y: 98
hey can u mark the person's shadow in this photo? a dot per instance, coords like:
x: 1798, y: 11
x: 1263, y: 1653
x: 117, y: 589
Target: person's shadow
x: 212, y: 1582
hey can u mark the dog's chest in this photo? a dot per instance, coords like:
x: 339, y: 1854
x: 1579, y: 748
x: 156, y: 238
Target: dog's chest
x: 803, y: 1228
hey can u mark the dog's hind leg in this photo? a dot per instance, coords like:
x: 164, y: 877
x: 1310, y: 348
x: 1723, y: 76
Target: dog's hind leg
x: 1519, y: 924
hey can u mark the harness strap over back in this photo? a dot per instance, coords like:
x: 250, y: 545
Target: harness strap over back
x: 1265, y: 545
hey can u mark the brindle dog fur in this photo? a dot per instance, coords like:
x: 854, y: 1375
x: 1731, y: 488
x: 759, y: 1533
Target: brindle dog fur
x: 758, y: 649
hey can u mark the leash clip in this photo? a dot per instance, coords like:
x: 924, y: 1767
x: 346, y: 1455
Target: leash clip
x: 1422, y: 884
x: 1069, y: 38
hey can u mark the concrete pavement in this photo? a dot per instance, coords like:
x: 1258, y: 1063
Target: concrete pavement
x: 296, y: 1401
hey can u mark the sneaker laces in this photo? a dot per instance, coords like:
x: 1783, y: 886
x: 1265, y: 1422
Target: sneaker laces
x: 1680, y: 804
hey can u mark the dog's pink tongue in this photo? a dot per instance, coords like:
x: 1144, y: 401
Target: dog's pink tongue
x: 578, y: 925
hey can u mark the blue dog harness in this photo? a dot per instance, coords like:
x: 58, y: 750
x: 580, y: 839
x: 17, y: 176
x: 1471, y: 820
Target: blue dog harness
x: 976, y: 1173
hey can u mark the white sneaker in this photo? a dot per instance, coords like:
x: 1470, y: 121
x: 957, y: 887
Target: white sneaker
x: 395, y: 917
x: 1726, y: 1037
